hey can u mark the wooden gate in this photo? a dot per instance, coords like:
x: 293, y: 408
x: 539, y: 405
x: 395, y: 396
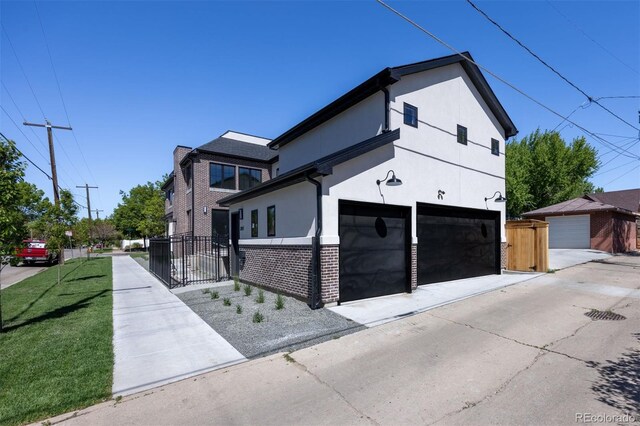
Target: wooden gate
x: 527, y: 245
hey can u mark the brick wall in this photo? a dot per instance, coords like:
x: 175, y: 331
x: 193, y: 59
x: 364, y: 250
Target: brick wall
x: 414, y: 267
x: 330, y: 270
x: 280, y: 268
x: 624, y: 233
x: 601, y: 231
x: 503, y: 255
x: 203, y: 195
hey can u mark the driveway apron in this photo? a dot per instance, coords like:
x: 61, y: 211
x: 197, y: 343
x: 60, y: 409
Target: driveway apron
x: 157, y: 339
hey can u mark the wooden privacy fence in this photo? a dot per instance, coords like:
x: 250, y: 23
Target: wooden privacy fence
x: 527, y: 245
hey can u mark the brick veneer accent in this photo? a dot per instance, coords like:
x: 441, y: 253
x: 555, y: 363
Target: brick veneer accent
x: 330, y: 270
x: 503, y: 255
x: 285, y: 268
x: 414, y: 267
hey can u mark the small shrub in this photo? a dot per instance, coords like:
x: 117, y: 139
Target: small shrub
x: 279, y: 302
x: 238, y: 309
x: 206, y: 290
x: 247, y: 290
x: 226, y: 301
x: 236, y: 283
x: 260, y: 298
x: 214, y: 295
x: 258, y: 317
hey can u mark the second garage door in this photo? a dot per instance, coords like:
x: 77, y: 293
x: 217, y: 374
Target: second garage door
x: 456, y: 243
x: 569, y: 232
x: 374, y: 250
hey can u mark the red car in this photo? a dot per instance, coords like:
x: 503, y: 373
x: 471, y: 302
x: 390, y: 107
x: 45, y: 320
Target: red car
x: 36, y: 251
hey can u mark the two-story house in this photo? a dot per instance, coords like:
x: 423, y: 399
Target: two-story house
x: 202, y: 176
x: 391, y: 186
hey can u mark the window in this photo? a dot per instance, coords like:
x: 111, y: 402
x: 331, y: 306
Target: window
x: 169, y: 194
x: 249, y: 177
x: 410, y: 115
x: 189, y: 220
x: 271, y: 221
x: 222, y: 176
x: 495, y: 147
x: 254, y: 223
x: 462, y: 135
x: 187, y: 175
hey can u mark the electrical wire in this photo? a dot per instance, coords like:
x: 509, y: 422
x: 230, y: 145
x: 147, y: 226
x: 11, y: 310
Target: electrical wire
x: 622, y: 175
x: 23, y: 134
x: 612, y: 169
x: 591, y: 38
x: 23, y: 117
x: 543, y: 62
x: 512, y: 86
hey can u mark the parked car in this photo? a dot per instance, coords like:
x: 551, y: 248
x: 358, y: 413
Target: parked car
x: 36, y: 251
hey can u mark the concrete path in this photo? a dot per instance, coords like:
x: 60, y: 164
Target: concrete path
x: 372, y: 312
x: 565, y: 258
x: 157, y: 339
x: 525, y: 354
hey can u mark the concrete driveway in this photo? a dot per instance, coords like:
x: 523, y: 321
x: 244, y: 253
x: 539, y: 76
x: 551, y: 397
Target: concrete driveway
x: 565, y: 258
x: 525, y: 354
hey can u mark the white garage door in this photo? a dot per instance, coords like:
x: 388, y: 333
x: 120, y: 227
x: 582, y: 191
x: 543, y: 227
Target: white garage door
x: 569, y: 232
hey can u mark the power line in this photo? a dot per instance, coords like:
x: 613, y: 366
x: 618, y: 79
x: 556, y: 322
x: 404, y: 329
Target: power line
x: 573, y: 112
x: 543, y: 62
x: 21, y: 114
x: 591, y: 38
x: 23, y: 71
x: 618, y: 97
x: 25, y: 136
x: 64, y: 105
x: 531, y: 98
x: 622, y: 175
x: 615, y: 168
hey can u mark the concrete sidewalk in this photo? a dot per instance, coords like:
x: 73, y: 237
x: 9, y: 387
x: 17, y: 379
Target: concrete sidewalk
x: 565, y: 258
x: 373, y: 312
x: 157, y: 339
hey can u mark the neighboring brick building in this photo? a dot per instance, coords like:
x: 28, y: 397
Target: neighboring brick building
x: 210, y: 172
x: 606, y: 221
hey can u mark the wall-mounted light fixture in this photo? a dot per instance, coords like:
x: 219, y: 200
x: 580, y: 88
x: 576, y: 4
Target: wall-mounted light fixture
x: 204, y: 210
x: 500, y: 198
x: 393, y: 181
x: 241, y: 214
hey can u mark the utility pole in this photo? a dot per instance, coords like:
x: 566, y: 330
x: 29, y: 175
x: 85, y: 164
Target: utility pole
x: 98, y: 213
x: 87, y: 187
x: 54, y: 172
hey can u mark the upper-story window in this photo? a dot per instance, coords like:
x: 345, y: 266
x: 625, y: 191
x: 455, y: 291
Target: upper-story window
x: 248, y: 178
x: 187, y: 175
x: 495, y: 147
x: 169, y: 195
x: 222, y: 176
x: 462, y: 134
x: 410, y: 115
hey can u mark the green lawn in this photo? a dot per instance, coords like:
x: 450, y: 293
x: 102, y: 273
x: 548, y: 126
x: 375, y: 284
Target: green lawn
x: 56, y: 353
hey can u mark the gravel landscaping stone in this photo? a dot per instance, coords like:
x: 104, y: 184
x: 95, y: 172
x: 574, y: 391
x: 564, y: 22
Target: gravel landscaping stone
x: 289, y: 329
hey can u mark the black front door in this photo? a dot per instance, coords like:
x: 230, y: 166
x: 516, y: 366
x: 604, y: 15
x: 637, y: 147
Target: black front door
x: 456, y: 243
x: 374, y: 250
x: 235, y: 239
x: 220, y: 222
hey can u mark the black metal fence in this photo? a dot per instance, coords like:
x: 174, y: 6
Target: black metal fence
x: 182, y: 260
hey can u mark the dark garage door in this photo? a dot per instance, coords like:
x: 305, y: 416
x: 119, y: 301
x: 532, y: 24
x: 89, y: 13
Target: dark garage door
x: 455, y: 243
x: 374, y: 250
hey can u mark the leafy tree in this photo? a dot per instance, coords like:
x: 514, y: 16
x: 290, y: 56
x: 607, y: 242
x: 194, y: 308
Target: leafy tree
x: 12, y: 224
x: 104, y: 230
x: 541, y: 170
x: 55, y: 221
x: 141, y: 212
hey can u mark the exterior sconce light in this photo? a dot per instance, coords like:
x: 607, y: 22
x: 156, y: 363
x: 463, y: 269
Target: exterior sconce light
x: 204, y: 210
x: 241, y: 214
x: 500, y: 198
x: 393, y: 181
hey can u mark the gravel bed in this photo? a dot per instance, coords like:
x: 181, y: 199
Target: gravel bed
x: 289, y: 329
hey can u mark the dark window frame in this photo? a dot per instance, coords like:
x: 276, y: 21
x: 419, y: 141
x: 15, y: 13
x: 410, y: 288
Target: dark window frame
x: 254, y: 223
x: 222, y: 174
x: 462, y: 135
x: 187, y: 171
x: 495, y: 146
x: 271, y: 232
x: 250, y: 169
x: 410, y: 111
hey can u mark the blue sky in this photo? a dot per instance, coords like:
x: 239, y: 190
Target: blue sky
x: 139, y: 78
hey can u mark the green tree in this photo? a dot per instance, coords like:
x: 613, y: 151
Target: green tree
x: 541, y: 170
x: 12, y: 223
x: 55, y: 221
x: 141, y: 212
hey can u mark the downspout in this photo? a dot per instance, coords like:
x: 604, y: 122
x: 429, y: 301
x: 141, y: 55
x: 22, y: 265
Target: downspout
x: 387, y: 106
x: 315, y: 284
x: 193, y: 198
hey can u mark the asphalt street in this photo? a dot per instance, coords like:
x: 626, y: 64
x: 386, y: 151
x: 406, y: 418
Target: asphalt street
x: 524, y: 354
x: 14, y: 274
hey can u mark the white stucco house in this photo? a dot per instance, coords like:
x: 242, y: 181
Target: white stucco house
x: 382, y: 190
